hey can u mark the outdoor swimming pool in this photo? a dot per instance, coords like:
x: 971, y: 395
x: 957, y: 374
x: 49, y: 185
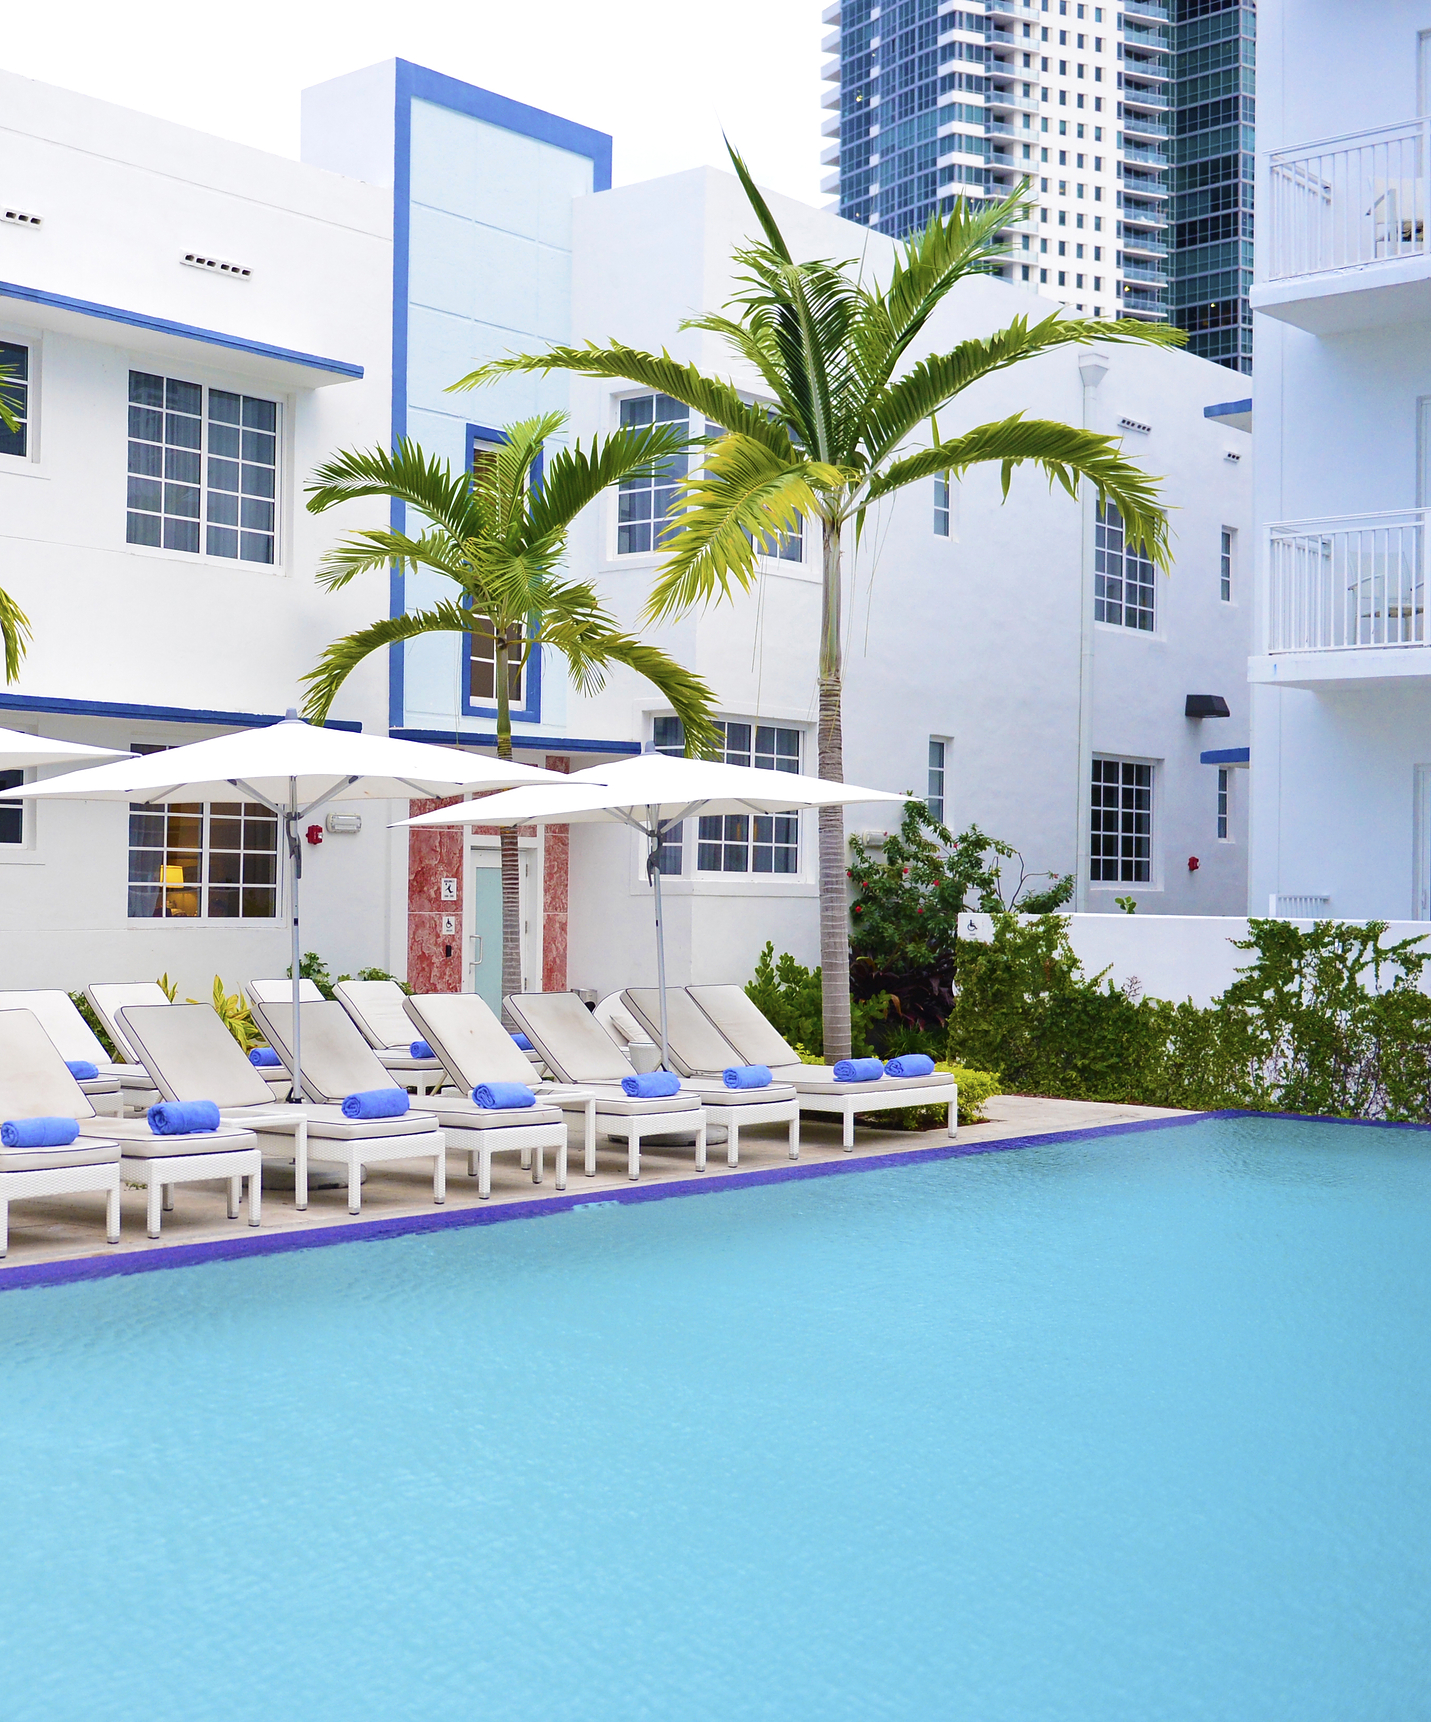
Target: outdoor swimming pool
x: 1124, y: 1428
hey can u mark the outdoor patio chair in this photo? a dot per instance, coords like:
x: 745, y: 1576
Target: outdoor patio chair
x: 35, y: 1083
x: 338, y: 1061
x: 750, y: 1031
x: 699, y: 1053
x: 108, y: 998
x: 473, y: 1046
x: 74, y: 1039
x: 30, y: 1088
x: 575, y: 1047
x: 376, y: 1007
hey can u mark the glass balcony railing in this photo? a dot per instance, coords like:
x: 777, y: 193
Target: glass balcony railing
x: 1349, y: 201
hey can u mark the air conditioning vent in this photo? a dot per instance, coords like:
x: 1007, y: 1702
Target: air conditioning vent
x: 1133, y: 424
x: 20, y: 218
x: 217, y: 266
x: 1228, y: 454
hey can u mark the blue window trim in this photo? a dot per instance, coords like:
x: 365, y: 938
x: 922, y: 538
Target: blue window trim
x: 531, y: 712
x: 1227, y: 756
x: 188, y: 331
x: 522, y: 743
x: 157, y: 714
x: 416, y: 83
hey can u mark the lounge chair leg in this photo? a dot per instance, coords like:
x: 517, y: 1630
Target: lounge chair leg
x: 589, y: 1139
x: 300, y: 1166
x: 732, y: 1145
x: 235, y: 1192
x: 439, y: 1174
x: 168, y: 1198
x: 156, y: 1201
x: 633, y: 1154
x: 701, y: 1144
x: 355, y: 1186
x: 472, y: 1163
x: 255, y: 1198
x: 848, y: 1142
x: 795, y: 1136
x: 484, y: 1179
x: 527, y: 1163
x: 561, y: 1162
x: 111, y: 1219
x: 5, y: 1224
x: 954, y: 1116
x: 536, y: 1159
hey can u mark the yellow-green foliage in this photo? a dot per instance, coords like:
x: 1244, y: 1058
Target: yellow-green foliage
x: 975, y: 1089
x: 235, y: 1015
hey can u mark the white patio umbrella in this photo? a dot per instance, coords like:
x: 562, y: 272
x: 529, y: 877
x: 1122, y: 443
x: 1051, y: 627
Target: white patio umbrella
x: 18, y: 750
x: 293, y: 768
x: 652, y: 794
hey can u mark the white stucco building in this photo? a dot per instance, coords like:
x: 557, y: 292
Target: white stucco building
x: 1341, y: 671
x: 1010, y: 648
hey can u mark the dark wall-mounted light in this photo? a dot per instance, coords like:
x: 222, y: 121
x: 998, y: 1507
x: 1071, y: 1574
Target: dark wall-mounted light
x: 1206, y: 705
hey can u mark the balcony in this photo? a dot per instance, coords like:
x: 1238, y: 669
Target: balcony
x: 1348, y: 230
x: 1151, y: 274
x: 1144, y: 153
x: 1133, y: 97
x: 1346, y: 601
x: 1014, y: 98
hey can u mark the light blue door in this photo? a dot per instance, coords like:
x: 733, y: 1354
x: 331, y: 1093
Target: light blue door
x: 484, y: 956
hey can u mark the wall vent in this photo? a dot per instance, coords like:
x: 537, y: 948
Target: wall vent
x: 1134, y: 424
x: 217, y: 266
x: 20, y: 218
x: 1231, y: 454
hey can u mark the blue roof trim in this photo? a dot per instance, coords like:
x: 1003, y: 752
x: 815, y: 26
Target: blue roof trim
x: 188, y: 331
x: 1225, y: 409
x: 157, y: 714
x: 527, y: 743
x: 1227, y: 756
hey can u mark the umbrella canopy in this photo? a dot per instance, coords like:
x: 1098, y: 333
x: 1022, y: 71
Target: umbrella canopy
x: 18, y: 750
x: 653, y: 793
x: 294, y: 769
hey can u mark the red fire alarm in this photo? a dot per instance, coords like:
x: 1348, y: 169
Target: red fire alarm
x: 1193, y: 863
x: 314, y: 834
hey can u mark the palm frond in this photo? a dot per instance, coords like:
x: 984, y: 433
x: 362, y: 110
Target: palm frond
x: 1065, y: 454
x: 741, y: 498
x: 15, y: 634
x: 8, y: 374
x: 405, y: 473
x: 343, y: 656
x: 928, y: 386
x: 575, y: 477
x: 591, y: 647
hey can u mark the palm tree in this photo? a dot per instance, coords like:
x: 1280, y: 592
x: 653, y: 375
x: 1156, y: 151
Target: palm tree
x: 833, y: 353
x: 500, y: 536
x: 14, y: 623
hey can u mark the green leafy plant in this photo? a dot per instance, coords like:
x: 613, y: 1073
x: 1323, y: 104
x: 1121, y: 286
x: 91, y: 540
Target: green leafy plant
x: 834, y: 353
x: 315, y: 968
x: 15, y: 631
x: 789, y: 995
x: 100, y: 1032
x: 1129, y: 905
x: 233, y: 1011
x: 170, y: 989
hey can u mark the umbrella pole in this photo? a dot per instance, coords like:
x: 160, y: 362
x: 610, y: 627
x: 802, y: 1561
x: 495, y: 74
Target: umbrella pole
x: 295, y: 868
x: 660, y: 950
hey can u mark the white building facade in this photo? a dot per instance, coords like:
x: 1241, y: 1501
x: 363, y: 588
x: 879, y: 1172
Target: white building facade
x: 1013, y: 660
x: 1341, y: 671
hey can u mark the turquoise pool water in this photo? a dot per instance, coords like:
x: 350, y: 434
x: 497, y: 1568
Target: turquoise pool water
x: 1129, y: 1428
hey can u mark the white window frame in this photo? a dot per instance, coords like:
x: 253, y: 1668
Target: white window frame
x: 1104, y: 602
x: 204, y: 884
x: 1122, y: 886
x: 943, y: 505
x: 1227, y: 563
x: 10, y: 462
x: 942, y: 768
x: 1224, y: 804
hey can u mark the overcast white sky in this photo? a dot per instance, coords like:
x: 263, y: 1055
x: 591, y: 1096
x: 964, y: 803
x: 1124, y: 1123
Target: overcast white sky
x: 664, y: 77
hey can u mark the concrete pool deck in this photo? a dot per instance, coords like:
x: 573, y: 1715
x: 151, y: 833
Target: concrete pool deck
x: 70, y: 1229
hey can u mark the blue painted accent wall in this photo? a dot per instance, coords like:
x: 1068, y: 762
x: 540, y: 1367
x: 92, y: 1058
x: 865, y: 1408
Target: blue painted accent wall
x: 482, y: 191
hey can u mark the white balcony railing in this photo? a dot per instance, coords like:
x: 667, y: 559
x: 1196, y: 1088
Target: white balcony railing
x: 1349, y: 201
x: 1356, y: 580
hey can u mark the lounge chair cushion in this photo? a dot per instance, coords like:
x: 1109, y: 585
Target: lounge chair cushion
x: 469, y: 1039
x: 108, y: 998
x: 377, y: 1008
x: 337, y: 1060
x: 569, y: 1038
x: 60, y: 1018
x: 715, y: 1093
x: 744, y: 1025
x: 459, y: 1114
x: 327, y: 1123
x: 696, y: 1045
x: 820, y: 1079
x: 138, y: 1142
x: 87, y: 1151
x: 612, y: 1102
x: 192, y: 1056
x: 34, y: 1080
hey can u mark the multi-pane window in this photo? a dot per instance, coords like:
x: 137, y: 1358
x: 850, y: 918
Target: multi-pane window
x: 934, y: 800
x: 1122, y: 834
x: 191, y: 860
x: 941, y: 504
x: 12, y: 813
x: 752, y: 843
x: 1226, y: 565
x: 1123, y: 589
x: 645, y: 505
x: 778, y: 546
x: 1224, y: 789
x: 668, y: 735
x: 484, y: 664
x: 174, y: 503
x: 15, y: 392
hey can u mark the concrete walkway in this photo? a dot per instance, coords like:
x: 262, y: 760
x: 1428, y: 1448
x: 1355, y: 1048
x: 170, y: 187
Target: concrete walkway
x: 71, y: 1228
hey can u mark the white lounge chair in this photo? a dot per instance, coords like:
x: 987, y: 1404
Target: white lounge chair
x: 39, y: 1084
x: 473, y: 1046
x: 700, y: 1053
x: 338, y: 1061
x: 575, y: 1047
x: 376, y: 1007
x: 31, y: 1087
x: 109, y: 998
x: 75, y: 1039
x: 750, y: 1031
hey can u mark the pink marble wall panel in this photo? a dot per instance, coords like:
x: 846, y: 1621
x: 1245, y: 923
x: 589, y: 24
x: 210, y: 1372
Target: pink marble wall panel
x: 556, y: 859
x: 434, y: 955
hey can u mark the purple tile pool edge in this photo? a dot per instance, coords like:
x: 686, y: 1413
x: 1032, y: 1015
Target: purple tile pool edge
x: 374, y: 1231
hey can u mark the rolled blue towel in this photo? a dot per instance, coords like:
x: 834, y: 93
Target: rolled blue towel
x: 858, y: 1070
x: 376, y: 1103
x: 38, y: 1132
x: 420, y: 1049
x: 910, y: 1064
x: 264, y: 1058
x: 522, y: 1042
x: 183, y: 1117
x: 82, y: 1070
x: 651, y: 1085
x: 500, y: 1096
x: 747, y: 1076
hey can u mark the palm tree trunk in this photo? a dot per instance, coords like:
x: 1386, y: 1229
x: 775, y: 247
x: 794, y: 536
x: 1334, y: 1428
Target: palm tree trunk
x: 834, y: 913
x: 511, y: 860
